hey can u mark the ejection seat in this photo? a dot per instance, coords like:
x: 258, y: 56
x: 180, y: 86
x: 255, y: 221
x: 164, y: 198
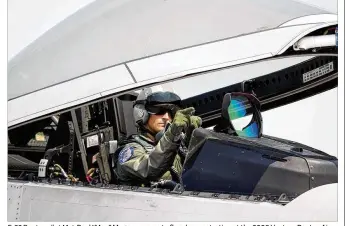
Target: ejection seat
x: 90, y: 137
x: 124, y: 127
x: 101, y: 143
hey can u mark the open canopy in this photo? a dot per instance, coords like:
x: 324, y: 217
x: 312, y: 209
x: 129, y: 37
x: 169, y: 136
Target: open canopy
x: 113, y: 46
x: 107, y: 33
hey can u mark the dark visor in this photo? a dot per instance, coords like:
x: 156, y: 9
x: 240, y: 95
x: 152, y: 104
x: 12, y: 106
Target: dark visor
x: 161, y: 109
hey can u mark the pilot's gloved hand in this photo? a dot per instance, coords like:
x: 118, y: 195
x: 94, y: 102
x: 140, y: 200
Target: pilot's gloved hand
x: 195, y: 122
x: 180, y: 123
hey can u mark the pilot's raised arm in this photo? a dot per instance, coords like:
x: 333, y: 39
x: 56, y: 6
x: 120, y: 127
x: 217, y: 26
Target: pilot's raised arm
x: 143, y: 159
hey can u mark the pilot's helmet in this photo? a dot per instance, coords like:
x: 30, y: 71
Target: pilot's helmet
x: 149, y: 102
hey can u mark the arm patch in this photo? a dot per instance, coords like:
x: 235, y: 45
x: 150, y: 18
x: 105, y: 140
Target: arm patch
x: 125, y: 154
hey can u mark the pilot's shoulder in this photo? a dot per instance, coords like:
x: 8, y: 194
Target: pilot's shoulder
x: 129, y: 151
x: 133, y: 145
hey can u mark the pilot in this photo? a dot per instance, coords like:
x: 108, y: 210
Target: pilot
x: 154, y: 154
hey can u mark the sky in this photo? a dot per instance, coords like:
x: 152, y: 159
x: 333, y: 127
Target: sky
x: 27, y: 20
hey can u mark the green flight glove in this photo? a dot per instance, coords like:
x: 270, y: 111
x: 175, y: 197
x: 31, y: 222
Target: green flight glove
x: 180, y: 123
x: 195, y: 122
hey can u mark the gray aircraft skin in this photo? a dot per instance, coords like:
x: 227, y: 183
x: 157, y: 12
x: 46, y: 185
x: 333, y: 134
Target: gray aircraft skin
x: 110, y: 48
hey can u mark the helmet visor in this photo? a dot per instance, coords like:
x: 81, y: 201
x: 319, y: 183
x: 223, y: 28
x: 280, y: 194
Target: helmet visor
x: 161, y: 109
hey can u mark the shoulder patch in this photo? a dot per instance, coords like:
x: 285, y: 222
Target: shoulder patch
x: 125, y: 154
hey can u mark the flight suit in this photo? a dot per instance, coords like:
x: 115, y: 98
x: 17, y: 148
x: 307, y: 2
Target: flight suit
x: 141, y: 161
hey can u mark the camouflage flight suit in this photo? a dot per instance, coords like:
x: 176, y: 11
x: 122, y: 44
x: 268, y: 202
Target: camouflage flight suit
x: 141, y: 161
